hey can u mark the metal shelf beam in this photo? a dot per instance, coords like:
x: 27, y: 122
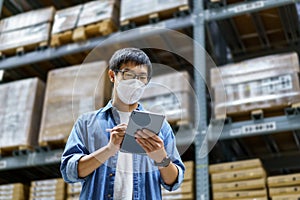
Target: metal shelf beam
x: 33, y: 159
x: 73, y: 48
x: 243, y: 8
x: 260, y: 127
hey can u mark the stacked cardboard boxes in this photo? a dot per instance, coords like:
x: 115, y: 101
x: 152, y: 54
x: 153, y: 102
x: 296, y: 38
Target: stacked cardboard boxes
x: 71, y: 92
x: 48, y: 189
x: 258, y: 83
x: 95, y: 18
x: 26, y: 30
x: 186, y: 190
x: 20, y: 112
x: 170, y: 94
x: 74, y: 190
x: 16, y: 191
x: 139, y: 11
x: 284, y: 187
x: 239, y: 180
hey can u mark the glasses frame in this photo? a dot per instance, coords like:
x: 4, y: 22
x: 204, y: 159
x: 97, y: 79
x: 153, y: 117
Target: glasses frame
x: 135, y: 75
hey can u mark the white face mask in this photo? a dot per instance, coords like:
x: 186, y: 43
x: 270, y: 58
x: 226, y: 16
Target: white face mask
x: 130, y: 91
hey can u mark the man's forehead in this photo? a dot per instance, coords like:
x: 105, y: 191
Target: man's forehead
x: 132, y: 66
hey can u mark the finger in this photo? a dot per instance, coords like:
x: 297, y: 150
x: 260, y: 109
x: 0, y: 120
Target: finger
x: 143, y: 145
x: 150, y: 144
x: 141, y: 134
x: 148, y: 132
x: 108, y: 129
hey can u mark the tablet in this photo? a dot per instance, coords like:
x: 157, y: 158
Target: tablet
x: 139, y: 120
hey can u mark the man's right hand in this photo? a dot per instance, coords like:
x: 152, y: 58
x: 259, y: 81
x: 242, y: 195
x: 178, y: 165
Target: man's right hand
x: 117, y: 134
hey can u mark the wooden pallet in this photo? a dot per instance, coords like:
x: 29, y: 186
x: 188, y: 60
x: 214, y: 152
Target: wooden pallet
x: 13, y: 150
x: 154, y: 17
x: 83, y: 33
x: 23, y: 49
x: 54, y: 144
x: 260, y: 113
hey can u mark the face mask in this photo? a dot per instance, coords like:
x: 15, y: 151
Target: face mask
x: 130, y: 91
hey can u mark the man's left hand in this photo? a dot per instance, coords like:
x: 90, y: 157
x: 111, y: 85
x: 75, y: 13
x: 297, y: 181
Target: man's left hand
x: 152, y: 144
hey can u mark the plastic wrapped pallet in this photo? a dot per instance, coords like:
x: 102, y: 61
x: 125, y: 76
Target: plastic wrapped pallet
x: 66, y: 19
x: 260, y: 83
x: 20, y: 112
x: 96, y: 11
x: 48, y: 189
x: 171, y: 95
x: 16, y: 191
x: 132, y: 9
x: 29, y: 38
x: 70, y: 92
x: 27, y: 19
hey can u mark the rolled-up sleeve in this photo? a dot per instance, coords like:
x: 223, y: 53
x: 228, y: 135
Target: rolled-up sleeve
x: 171, y: 149
x: 73, y: 151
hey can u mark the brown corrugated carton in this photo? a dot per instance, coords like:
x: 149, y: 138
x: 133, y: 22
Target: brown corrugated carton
x: 96, y: 11
x: 239, y: 185
x: 27, y: 19
x: 284, y: 190
x: 238, y: 175
x: 186, y: 187
x: 66, y: 19
x: 170, y: 94
x: 284, y: 180
x: 20, y: 112
x: 131, y: 9
x: 70, y: 93
x: 74, y: 189
x: 48, y: 182
x: 237, y: 165
x: 260, y: 83
x: 240, y: 194
x: 286, y: 197
x: 255, y: 69
x: 16, y: 191
x: 29, y: 38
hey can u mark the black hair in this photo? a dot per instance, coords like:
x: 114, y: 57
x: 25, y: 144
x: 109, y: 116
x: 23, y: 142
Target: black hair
x: 126, y: 55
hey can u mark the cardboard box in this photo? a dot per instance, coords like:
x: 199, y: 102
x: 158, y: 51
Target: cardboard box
x: 20, y: 112
x: 66, y: 19
x: 70, y: 92
x: 29, y: 37
x: 284, y: 180
x: 240, y: 194
x: 255, y: 69
x: 238, y: 175
x: 281, y: 90
x: 16, y: 191
x: 48, y: 182
x: 240, y: 185
x: 179, y: 197
x: 284, y: 190
x: 170, y: 94
x: 258, y: 83
x: 131, y: 9
x: 27, y: 19
x: 286, y: 197
x: 97, y: 11
x: 237, y: 165
x: 74, y: 188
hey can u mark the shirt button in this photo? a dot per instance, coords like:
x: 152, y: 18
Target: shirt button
x: 108, y: 195
x: 110, y: 174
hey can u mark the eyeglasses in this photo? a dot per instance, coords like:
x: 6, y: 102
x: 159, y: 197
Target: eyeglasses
x: 127, y: 75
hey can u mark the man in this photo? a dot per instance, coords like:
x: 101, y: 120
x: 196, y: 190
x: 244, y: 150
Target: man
x: 92, y: 154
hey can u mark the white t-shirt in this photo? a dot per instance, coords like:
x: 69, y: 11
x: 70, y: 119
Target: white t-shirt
x: 123, y: 186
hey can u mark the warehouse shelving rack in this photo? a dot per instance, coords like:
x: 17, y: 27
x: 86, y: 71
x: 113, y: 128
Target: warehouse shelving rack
x: 43, y: 163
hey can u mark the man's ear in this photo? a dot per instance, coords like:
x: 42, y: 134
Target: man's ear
x: 111, y: 75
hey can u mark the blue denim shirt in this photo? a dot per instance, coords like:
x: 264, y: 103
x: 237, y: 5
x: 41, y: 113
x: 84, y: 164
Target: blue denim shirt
x: 89, y: 134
